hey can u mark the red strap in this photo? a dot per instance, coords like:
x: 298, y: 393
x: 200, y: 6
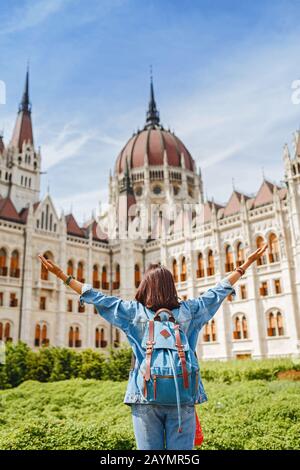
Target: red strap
x: 199, y: 433
x: 181, y: 354
x: 149, y: 350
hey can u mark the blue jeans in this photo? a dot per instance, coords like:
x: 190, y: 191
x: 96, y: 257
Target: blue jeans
x: 156, y: 427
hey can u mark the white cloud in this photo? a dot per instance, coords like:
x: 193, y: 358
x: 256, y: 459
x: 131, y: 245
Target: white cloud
x: 70, y: 141
x: 232, y: 127
x: 31, y: 14
x: 242, y: 120
x: 82, y: 204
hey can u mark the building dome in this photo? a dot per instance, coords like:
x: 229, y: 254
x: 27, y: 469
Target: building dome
x: 149, y: 145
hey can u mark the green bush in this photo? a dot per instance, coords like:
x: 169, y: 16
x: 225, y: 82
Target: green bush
x: 244, y: 370
x: 17, y: 365
x: 90, y: 414
x: 55, y: 364
x: 118, y: 365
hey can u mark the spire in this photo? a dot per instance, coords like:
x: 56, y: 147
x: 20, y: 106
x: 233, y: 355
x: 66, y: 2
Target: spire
x: 126, y: 201
x: 152, y: 116
x: 2, y: 146
x: 23, y: 127
x: 297, y: 143
x: 127, y: 183
x: 25, y: 104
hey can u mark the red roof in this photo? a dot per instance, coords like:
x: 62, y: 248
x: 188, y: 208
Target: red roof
x: 233, y: 206
x: 153, y: 143
x: 24, y: 212
x: 207, y: 213
x: 8, y: 210
x: 23, y: 130
x: 73, y: 227
x: 98, y: 234
x: 264, y: 194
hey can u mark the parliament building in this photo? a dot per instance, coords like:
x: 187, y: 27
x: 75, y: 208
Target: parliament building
x: 154, y: 171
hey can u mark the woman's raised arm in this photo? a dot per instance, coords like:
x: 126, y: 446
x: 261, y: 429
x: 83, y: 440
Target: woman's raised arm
x: 205, y: 306
x: 58, y: 272
x: 116, y: 311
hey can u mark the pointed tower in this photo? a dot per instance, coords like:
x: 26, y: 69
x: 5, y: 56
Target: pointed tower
x: 152, y: 115
x: 126, y: 203
x: 292, y: 180
x: 21, y: 163
x: 2, y: 146
x: 155, y: 169
x: 22, y: 133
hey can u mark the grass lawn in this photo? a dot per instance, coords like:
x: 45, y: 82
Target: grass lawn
x: 90, y: 414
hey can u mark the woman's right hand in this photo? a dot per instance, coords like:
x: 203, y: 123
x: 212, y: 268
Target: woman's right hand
x: 50, y: 266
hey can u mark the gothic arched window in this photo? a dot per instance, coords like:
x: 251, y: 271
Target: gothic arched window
x: 96, y: 281
x: 183, y: 270
x: 210, y: 263
x: 14, y: 264
x: 80, y: 275
x: 116, y: 284
x: 229, y: 259
x: 3, y: 262
x: 175, y: 270
x: 104, y: 280
x: 200, y: 266
x: 240, y: 254
x: 137, y: 275
x: 240, y: 327
x: 273, y: 248
x: 275, y: 323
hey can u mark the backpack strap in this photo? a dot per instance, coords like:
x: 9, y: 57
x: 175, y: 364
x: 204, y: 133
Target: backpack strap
x: 169, y: 312
x: 181, y: 355
x: 149, y: 350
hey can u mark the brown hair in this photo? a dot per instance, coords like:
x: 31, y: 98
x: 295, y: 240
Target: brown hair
x: 157, y: 289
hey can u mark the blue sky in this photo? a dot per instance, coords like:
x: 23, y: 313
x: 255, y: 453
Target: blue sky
x: 223, y: 72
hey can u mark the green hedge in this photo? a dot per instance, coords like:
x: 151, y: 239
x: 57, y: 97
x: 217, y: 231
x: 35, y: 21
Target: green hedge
x: 55, y: 364
x: 244, y: 370
x: 89, y: 414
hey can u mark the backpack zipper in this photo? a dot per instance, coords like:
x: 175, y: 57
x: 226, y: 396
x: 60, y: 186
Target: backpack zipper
x: 168, y: 376
x: 155, y: 377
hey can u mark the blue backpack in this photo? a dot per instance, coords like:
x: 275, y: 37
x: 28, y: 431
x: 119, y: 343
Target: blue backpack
x: 168, y: 375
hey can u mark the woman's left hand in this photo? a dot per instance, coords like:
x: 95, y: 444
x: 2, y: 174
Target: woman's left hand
x: 257, y: 253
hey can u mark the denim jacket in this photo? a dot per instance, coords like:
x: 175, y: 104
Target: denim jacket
x: 131, y: 317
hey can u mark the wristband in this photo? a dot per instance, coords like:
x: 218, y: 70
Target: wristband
x: 240, y: 270
x: 68, y: 280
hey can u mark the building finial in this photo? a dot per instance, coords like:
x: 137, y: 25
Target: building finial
x: 233, y: 184
x: 152, y: 116
x: 25, y: 103
x: 127, y: 179
x: 263, y: 173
